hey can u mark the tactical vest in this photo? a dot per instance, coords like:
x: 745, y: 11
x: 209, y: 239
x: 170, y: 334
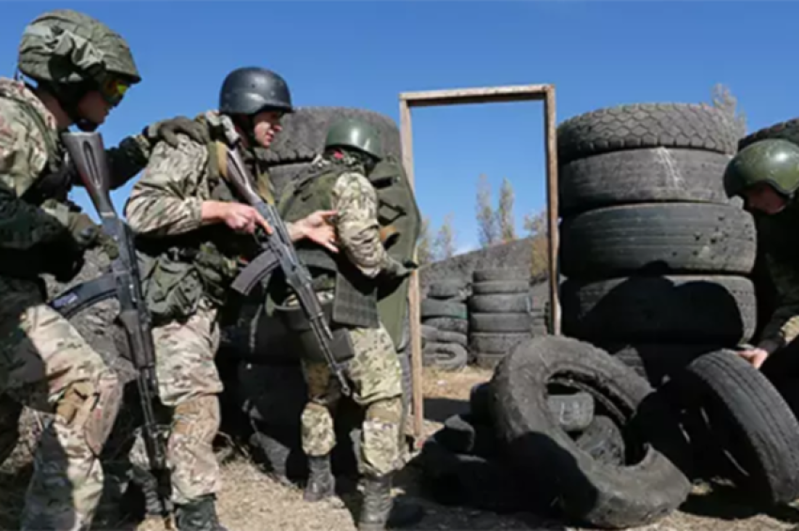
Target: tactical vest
x: 777, y: 234
x: 178, y: 270
x: 355, y: 301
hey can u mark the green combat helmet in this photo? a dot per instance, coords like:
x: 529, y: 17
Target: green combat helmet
x: 773, y: 161
x: 355, y: 134
x: 70, y: 53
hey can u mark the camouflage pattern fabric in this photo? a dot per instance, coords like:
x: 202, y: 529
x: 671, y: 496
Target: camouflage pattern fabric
x: 377, y: 385
x: 46, y: 365
x: 44, y: 362
x: 189, y: 383
x: 783, y: 327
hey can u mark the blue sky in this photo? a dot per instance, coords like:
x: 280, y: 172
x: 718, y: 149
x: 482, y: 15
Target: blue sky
x: 363, y: 54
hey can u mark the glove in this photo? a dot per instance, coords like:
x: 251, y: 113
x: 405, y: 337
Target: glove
x: 108, y: 245
x: 83, y: 229
x: 167, y: 130
x: 67, y: 258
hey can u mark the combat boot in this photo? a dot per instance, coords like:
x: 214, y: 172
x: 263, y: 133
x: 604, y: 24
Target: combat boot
x: 321, y: 483
x: 376, y: 503
x: 198, y: 515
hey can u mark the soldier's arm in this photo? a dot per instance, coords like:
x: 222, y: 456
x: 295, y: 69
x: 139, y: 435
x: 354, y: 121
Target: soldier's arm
x: 165, y: 201
x: 783, y: 327
x: 22, y: 225
x: 357, y: 227
x: 128, y: 159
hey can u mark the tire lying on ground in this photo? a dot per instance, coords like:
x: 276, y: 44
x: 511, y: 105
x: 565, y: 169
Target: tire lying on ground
x: 757, y: 432
x: 658, y: 238
x: 645, y: 490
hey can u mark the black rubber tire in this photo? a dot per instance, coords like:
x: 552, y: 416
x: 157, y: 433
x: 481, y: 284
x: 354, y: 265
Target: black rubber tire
x: 501, y: 274
x: 446, y: 290
x: 657, y: 238
x: 788, y: 130
x: 763, y: 433
x: 497, y: 287
x: 304, y: 132
x: 646, y: 125
x: 487, y: 360
x: 281, y: 175
x: 452, y: 337
x: 429, y: 333
x: 448, y: 324
x: 500, y: 322
x: 603, y: 441
x: 667, y: 309
x: 490, y: 343
x: 511, y: 303
x: 657, y: 362
x: 461, y: 434
x: 642, y: 176
x: 448, y: 356
x: 600, y: 495
x: 436, y: 308
x: 573, y: 412
x: 480, y: 403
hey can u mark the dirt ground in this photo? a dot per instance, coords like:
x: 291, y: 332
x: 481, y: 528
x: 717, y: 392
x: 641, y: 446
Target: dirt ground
x: 251, y: 501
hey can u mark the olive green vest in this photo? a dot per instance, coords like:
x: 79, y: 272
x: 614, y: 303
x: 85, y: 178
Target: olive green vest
x: 777, y: 234
x: 355, y: 301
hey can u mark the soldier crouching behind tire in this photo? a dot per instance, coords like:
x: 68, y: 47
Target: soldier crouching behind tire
x: 346, y: 285
x: 190, y: 231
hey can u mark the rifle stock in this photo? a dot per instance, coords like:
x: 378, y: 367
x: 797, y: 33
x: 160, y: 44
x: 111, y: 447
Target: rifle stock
x: 88, y: 154
x: 278, y: 250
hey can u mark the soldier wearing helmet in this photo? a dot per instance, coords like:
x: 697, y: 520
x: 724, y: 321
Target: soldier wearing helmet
x: 81, y: 69
x: 766, y: 175
x: 191, y: 231
x: 347, y: 285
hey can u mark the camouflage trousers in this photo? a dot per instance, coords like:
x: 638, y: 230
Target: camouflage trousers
x: 46, y: 365
x: 188, y: 384
x: 376, y: 385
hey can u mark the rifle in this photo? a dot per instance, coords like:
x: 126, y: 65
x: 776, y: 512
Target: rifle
x: 277, y: 250
x: 88, y: 154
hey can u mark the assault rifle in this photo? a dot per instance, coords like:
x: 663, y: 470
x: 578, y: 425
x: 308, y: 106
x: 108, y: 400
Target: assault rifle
x: 88, y: 154
x: 277, y: 250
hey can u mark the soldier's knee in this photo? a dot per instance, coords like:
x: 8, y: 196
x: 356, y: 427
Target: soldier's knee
x: 387, y: 411
x: 91, y: 407
x: 198, y: 418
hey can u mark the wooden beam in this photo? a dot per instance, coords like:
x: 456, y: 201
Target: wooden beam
x: 475, y: 95
x: 550, y: 137
x: 413, y: 289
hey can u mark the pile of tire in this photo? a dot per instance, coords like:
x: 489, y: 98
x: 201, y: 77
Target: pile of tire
x: 500, y: 313
x: 566, y: 430
x: 445, y: 326
x: 655, y: 255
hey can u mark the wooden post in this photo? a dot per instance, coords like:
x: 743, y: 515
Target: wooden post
x: 466, y: 96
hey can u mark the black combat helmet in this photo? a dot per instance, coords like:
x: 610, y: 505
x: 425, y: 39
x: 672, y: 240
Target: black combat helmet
x: 251, y: 90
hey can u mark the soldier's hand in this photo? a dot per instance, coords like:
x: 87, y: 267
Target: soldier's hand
x: 83, y: 229
x: 243, y: 218
x: 167, y: 130
x: 755, y: 356
x: 317, y: 227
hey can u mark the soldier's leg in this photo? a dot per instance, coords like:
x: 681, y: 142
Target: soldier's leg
x: 318, y: 432
x: 48, y: 366
x: 10, y: 412
x: 189, y: 383
x: 377, y: 379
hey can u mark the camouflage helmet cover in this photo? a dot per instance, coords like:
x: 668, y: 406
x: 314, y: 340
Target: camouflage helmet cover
x: 64, y: 46
x: 773, y: 161
x: 357, y: 134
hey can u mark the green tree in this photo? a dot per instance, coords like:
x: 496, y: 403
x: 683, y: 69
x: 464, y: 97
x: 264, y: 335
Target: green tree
x: 486, y: 221
x: 424, y: 254
x: 505, y: 221
x: 723, y: 99
x: 537, y: 228
x: 445, y: 240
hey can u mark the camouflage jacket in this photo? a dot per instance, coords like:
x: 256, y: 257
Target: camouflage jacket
x: 24, y: 157
x: 777, y: 234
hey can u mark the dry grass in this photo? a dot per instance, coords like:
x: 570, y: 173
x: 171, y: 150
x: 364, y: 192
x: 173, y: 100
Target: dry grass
x: 250, y: 501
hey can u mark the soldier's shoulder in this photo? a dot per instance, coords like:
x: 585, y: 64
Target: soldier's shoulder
x: 187, y: 149
x: 20, y: 131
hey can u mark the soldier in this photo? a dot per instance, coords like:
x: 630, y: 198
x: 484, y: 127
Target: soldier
x: 766, y: 175
x: 190, y: 231
x: 347, y: 285
x: 81, y: 69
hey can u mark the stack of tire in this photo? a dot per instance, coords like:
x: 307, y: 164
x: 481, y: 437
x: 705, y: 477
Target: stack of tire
x: 656, y: 257
x: 500, y: 313
x: 444, y: 326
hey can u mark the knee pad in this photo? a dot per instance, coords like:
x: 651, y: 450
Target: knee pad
x: 198, y: 418
x: 91, y: 407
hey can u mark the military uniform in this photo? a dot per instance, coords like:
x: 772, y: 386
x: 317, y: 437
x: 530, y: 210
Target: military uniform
x: 44, y: 362
x: 347, y: 284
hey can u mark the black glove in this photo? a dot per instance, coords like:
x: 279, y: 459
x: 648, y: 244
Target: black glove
x: 64, y: 258
x: 167, y: 130
x: 83, y: 230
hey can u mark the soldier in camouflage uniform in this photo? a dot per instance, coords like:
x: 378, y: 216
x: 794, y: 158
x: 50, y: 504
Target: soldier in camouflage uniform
x: 81, y: 69
x: 766, y: 175
x: 346, y: 285
x: 190, y: 231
